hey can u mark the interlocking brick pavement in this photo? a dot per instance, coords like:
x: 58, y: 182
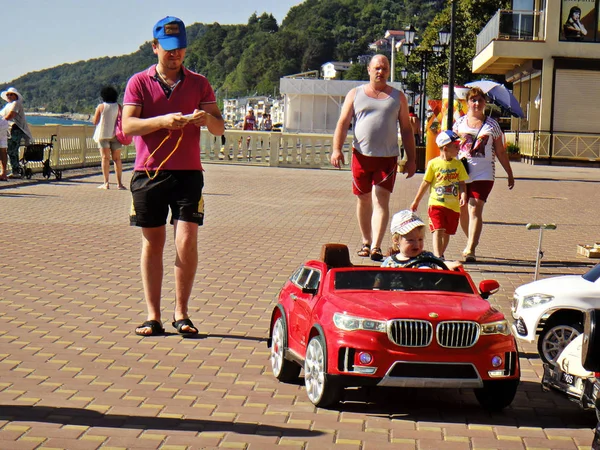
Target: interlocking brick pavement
x: 73, y: 374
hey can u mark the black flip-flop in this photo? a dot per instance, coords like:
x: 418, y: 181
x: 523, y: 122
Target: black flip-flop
x: 179, y: 324
x: 154, y: 325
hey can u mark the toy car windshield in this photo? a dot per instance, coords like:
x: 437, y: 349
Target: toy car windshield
x: 404, y: 280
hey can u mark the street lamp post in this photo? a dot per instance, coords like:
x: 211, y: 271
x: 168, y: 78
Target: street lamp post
x: 450, y: 118
x: 437, y: 50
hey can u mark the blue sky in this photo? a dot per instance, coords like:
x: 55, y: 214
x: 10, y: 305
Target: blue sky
x: 38, y: 34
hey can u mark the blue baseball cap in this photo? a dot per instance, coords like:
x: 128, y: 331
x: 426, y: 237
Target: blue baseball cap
x: 170, y: 33
x: 446, y: 137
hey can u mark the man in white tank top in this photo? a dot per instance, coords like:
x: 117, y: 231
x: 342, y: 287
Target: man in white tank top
x: 376, y: 109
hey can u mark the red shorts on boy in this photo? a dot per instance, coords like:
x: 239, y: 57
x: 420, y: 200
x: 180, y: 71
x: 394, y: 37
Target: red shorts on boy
x: 441, y: 218
x: 369, y: 171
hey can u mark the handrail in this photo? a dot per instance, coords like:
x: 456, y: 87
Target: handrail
x: 75, y: 148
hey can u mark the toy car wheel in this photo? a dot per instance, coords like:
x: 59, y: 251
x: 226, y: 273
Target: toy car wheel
x: 590, y: 349
x: 322, y: 391
x: 555, y: 337
x: 283, y: 369
x: 58, y: 174
x: 28, y: 173
x: 496, y: 395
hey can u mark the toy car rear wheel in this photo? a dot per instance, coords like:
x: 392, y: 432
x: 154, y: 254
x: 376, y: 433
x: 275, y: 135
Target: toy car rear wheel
x: 321, y: 389
x: 28, y: 173
x: 283, y: 369
x: 555, y: 336
x: 590, y: 349
x: 495, y: 395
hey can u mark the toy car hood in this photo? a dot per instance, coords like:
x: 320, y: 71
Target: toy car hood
x: 384, y: 305
x: 565, y: 285
x: 569, y: 361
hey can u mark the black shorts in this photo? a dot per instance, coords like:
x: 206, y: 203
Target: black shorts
x: 178, y: 190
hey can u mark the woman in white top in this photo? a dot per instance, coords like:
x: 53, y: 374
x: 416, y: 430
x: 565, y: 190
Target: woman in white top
x: 3, y: 148
x: 105, y: 118
x: 482, y: 141
x: 14, y: 113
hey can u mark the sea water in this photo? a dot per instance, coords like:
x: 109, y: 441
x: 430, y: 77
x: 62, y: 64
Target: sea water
x: 48, y: 120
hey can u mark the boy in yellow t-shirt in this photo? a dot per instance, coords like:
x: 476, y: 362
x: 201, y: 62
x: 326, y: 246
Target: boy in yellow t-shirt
x: 444, y: 178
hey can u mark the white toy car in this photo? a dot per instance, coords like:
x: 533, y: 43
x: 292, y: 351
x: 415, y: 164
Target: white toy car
x: 553, y: 308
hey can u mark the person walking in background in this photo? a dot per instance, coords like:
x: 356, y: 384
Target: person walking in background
x: 267, y: 124
x: 3, y: 148
x: 444, y: 178
x: 376, y: 109
x: 14, y: 113
x: 164, y: 108
x: 249, y: 125
x: 105, y: 118
x: 482, y: 141
x: 415, y: 124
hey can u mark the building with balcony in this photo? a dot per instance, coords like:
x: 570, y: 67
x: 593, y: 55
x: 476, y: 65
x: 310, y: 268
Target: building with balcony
x: 550, y: 51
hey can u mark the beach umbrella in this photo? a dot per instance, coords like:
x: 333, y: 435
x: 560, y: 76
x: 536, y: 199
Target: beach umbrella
x: 499, y: 95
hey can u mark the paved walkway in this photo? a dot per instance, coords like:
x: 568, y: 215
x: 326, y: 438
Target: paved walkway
x: 73, y: 375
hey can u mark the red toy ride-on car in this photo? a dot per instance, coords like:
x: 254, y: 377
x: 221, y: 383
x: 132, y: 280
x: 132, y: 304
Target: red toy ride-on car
x: 350, y: 326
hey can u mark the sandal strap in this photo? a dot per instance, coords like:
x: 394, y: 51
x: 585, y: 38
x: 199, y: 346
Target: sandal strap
x: 365, y: 250
x: 154, y: 325
x: 179, y: 324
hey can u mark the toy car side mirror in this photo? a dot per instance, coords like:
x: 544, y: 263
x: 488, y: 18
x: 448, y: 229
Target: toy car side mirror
x: 488, y: 287
x: 306, y: 290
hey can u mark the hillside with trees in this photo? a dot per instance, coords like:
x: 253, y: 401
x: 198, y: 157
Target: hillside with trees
x: 249, y: 59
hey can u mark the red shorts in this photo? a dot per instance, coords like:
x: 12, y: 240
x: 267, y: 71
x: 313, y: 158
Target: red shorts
x: 442, y: 218
x: 479, y: 189
x: 369, y: 171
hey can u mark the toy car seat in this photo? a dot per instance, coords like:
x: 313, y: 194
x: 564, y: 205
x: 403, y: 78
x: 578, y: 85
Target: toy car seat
x: 335, y: 255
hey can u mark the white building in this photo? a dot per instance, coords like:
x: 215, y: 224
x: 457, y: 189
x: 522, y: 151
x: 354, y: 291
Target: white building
x: 314, y: 106
x: 333, y: 70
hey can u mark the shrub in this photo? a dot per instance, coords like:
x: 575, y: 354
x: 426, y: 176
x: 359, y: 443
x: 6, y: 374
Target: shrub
x: 512, y: 149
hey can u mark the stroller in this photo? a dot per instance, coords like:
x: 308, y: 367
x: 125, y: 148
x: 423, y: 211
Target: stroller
x: 35, y: 153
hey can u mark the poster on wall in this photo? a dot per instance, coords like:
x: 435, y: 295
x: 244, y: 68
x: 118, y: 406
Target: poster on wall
x: 578, y: 20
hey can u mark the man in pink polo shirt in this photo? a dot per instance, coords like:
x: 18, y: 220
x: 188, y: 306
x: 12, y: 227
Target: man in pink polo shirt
x: 164, y: 108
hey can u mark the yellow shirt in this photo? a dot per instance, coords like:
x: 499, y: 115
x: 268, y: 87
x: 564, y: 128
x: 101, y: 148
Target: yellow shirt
x: 444, y: 177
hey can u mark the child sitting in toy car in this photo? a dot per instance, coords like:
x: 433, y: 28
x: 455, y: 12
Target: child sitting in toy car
x: 408, y: 241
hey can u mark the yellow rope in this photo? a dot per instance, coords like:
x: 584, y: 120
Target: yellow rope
x: 152, y: 177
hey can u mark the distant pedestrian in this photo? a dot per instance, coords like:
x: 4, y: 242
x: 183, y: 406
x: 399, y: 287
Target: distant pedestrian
x: 164, y: 107
x: 3, y: 148
x: 415, y: 124
x: 105, y: 118
x: 267, y: 124
x: 376, y: 109
x: 249, y: 125
x: 482, y: 141
x: 14, y: 113
x: 444, y: 178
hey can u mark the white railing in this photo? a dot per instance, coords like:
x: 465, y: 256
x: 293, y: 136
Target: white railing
x: 540, y: 145
x: 74, y: 147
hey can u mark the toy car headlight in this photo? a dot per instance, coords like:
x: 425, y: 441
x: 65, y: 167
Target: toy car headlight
x: 500, y: 327
x: 351, y: 323
x: 529, y: 301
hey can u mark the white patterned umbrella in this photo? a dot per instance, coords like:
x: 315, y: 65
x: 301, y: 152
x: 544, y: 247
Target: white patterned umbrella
x: 500, y: 95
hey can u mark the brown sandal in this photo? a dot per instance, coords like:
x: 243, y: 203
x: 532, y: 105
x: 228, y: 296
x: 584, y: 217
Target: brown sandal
x: 365, y: 251
x: 376, y: 254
